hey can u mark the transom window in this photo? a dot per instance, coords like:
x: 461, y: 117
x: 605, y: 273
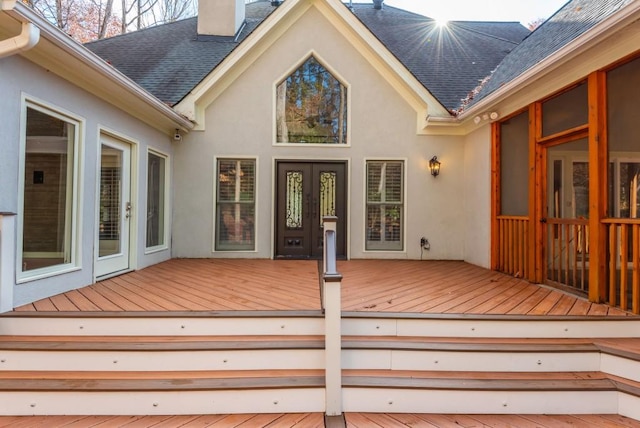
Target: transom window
x: 311, y: 107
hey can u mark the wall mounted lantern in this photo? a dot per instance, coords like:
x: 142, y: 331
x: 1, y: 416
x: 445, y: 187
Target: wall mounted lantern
x: 434, y: 166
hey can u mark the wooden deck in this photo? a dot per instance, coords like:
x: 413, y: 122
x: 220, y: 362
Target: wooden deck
x: 397, y: 286
x: 315, y: 420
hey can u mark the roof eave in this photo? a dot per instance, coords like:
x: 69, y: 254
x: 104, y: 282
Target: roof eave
x: 417, y: 95
x: 157, y: 114
x: 553, y: 61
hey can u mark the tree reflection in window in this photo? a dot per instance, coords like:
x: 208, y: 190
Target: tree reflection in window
x: 311, y: 107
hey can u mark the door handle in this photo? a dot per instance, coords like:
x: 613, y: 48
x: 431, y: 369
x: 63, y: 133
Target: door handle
x: 543, y: 220
x: 127, y: 210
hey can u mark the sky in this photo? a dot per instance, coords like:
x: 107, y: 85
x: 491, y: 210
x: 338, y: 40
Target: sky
x: 524, y: 11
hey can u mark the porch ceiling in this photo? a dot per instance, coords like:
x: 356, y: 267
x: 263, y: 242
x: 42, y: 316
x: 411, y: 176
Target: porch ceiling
x: 397, y: 286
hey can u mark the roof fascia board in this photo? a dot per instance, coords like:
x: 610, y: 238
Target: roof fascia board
x: 194, y: 104
x: 158, y: 115
x: 570, y: 51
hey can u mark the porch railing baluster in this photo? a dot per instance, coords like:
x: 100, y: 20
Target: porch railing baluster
x: 624, y: 263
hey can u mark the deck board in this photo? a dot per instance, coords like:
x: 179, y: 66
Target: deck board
x: 398, y: 286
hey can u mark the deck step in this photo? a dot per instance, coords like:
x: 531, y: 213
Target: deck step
x: 198, y: 365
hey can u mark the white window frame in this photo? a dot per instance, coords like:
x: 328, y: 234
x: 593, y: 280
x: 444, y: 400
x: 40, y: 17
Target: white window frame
x: 167, y: 198
x: 73, y: 205
x: 403, y: 226
x: 256, y: 203
x: 336, y: 75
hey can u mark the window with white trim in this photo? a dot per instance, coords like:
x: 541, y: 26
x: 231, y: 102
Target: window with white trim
x: 385, y: 205
x: 311, y: 106
x: 156, y: 200
x: 235, y: 205
x: 49, y: 192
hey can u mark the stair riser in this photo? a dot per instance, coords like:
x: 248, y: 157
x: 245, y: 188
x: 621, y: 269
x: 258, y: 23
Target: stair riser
x: 462, y: 328
x: 471, y: 361
x: 291, y: 359
x: 381, y: 400
x: 629, y: 406
x: 143, y: 326
x: 622, y: 367
x: 237, y: 326
x: 303, y: 400
x: 374, y: 400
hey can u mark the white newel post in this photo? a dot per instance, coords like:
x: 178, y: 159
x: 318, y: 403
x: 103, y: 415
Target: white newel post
x: 7, y: 260
x: 332, y: 282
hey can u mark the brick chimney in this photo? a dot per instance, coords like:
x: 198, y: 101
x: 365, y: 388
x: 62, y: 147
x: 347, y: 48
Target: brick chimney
x: 220, y: 17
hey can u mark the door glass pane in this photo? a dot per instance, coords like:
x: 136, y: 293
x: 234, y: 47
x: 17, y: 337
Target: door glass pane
x: 294, y: 200
x: 327, y: 194
x: 110, y: 201
x: 48, y: 191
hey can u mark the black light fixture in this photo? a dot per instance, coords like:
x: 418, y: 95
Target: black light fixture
x: 434, y: 166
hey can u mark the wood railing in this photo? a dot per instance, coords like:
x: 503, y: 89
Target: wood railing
x: 513, y: 245
x: 568, y: 252
x: 624, y: 263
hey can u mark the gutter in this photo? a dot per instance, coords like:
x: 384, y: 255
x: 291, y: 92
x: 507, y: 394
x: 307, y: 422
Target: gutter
x: 28, y: 37
x: 553, y: 61
x: 64, y: 42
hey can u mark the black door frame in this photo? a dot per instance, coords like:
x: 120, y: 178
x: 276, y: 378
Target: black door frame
x: 306, y: 243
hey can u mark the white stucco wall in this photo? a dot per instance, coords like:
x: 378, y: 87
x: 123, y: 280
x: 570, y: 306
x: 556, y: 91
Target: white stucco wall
x: 240, y: 123
x: 18, y: 77
x: 477, y: 197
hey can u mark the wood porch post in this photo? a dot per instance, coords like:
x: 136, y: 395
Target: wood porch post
x: 598, y: 159
x: 537, y: 190
x: 495, y: 194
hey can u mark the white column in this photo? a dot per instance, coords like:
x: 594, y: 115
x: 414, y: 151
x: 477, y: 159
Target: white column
x: 7, y: 261
x: 332, y: 282
x: 333, y: 345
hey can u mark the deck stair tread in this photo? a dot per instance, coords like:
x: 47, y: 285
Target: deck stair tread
x: 158, y: 343
x: 286, y: 341
x: 263, y: 379
x: 159, y: 380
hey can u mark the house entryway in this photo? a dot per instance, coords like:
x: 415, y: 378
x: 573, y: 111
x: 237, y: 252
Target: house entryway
x: 306, y: 192
x: 115, y: 209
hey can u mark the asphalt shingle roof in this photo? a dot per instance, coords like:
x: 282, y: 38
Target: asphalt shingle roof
x: 170, y: 59
x: 570, y: 22
x: 449, y: 61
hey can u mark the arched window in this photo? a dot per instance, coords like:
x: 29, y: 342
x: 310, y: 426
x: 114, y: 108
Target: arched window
x: 311, y: 107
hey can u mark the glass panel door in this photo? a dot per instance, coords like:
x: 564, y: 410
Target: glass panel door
x: 115, y: 209
x: 308, y: 191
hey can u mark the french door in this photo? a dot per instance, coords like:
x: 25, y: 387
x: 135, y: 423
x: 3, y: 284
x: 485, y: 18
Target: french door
x: 567, y: 215
x: 115, y: 209
x: 306, y: 192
